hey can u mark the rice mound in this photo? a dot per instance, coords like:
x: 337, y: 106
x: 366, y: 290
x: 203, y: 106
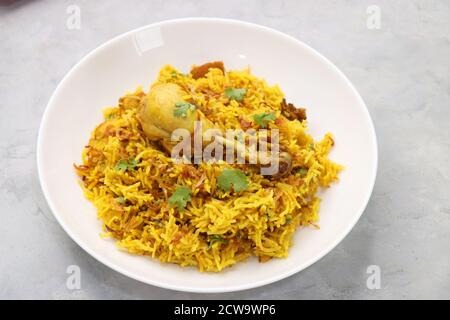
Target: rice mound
x: 216, y: 229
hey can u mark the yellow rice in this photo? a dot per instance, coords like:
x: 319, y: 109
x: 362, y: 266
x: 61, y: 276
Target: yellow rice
x: 260, y: 221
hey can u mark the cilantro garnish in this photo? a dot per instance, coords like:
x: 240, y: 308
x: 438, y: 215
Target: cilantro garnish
x: 123, y: 164
x: 120, y: 200
x: 182, y: 108
x: 132, y: 163
x: 288, y: 219
x: 302, y: 171
x: 174, y: 74
x: 232, y: 177
x: 263, y: 118
x: 235, y: 94
x: 216, y: 238
x: 157, y: 221
x: 180, y: 197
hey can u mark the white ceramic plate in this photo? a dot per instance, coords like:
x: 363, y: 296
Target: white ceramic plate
x: 133, y: 59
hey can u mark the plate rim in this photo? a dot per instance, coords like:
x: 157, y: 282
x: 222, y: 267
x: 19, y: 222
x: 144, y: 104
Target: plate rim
x: 43, y: 183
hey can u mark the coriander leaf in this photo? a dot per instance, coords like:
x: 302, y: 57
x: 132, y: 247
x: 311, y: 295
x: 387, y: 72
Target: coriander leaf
x: 311, y: 146
x: 120, y: 200
x: 122, y: 165
x: 263, y: 118
x: 288, y: 219
x: 216, y: 238
x: 174, y: 74
x: 235, y: 94
x: 302, y: 171
x: 182, y: 108
x: 180, y: 197
x: 132, y: 163
x: 232, y: 177
x: 157, y: 221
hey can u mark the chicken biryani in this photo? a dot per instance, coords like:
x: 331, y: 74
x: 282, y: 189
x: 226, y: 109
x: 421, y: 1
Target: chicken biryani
x: 213, y: 213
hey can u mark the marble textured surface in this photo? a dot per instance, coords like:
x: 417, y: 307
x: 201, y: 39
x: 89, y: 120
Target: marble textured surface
x: 401, y: 71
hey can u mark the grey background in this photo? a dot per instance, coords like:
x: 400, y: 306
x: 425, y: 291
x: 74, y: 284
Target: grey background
x: 401, y: 71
